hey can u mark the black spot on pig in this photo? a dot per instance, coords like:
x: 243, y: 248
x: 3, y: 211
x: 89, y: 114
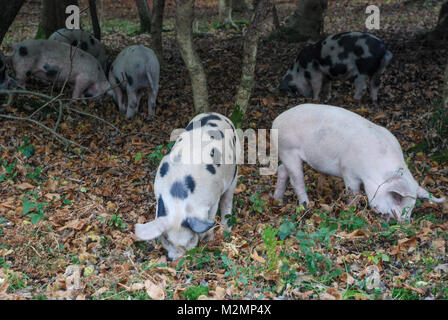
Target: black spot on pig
x: 189, y: 181
x: 324, y: 62
x: 178, y: 190
x: 92, y: 42
x: 205, y: 121
x: 23, y: 51
x: 376, y: 47
x: 307, y: 75
x: 347, y: 42
x: 368, y: 65
x: 130, y: 79
x: 161, y: 211
x: 215, y: 134
x: 338, y: 69
x: 50, y: 71
x: 359, y: 51
x: 164, y: 169
x: 309, y: 53
x: 28, y: 73
x: 75, y: 43
x: 210, y: 168
x: 84, y: 46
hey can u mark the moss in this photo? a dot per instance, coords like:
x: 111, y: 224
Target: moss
x: 237, y: 117
x: 41, y: 33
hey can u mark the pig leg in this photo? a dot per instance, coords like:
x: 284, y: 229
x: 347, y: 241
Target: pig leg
x: 117, y: 94
x: 151, y: 105
x: 225, y: 204
x: 282, y: 179
x: 316, y: 84
x: 294, y: 166
x: 80, y: 86
x: 132, y: 108
x: 360, y: 86
x: 326, y: 89
x: 152, y: 97
x: 352, y: 185
x: 374, y: 86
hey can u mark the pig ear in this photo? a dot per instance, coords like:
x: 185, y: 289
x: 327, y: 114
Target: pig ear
x: 197, y: 225
x: 150, y: 230
x: 423, y: 194
x: 399, y: 189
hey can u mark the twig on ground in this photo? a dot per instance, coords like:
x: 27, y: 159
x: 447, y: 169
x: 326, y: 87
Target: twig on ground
x: 58, y: 136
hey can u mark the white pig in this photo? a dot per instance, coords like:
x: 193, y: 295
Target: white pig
x: 193, y: 180
x: 59, y: 62
x: 338, y: 142
x: 135, y: 69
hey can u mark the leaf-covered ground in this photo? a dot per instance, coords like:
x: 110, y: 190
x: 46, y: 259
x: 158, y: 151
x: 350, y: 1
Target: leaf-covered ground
x: 66, y: 219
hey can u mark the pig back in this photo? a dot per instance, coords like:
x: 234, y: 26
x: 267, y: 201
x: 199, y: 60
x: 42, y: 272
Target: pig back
x: 330, y: 139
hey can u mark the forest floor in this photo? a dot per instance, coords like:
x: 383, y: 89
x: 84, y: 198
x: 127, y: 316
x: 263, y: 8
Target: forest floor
x: 67, y: 216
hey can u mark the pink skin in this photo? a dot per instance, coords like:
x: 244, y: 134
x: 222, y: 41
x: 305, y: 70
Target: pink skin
x: 341, y: 143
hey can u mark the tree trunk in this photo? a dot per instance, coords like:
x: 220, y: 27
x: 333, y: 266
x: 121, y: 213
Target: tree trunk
x: 52, y: 16
x: 250, y: 48
x: 184, y: 36
x: 441, y: 30
x: 158, y: 7
x: 145, y: 16
x: 94, y: 17
x: 8, y: 14
x: 305, y: 23
x: 445, y: 90
x: 225, y: 13
x: 241, y: 5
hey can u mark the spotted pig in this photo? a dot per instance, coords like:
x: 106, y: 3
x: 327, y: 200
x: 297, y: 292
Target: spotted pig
x: 59, y: 62
x: 356, y: 56
x: 135, y: 70
x: 338, y: 142
x: 193, y: 180
x: 83, y: 40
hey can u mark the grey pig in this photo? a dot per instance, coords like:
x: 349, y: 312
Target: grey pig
x: 83, y: 40
x: 135, y: 69
x: 59, y: 62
